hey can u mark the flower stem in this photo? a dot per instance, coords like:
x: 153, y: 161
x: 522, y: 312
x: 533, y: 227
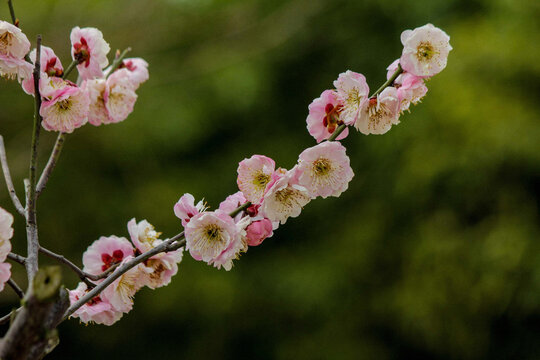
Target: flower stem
x: 118, y: 61
x: 70, y: 67
x: 12, y: 13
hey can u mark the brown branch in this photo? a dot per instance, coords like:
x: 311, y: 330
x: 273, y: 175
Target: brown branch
x: 17, y: 258
x: 9, y: 182
x: 6, y: 318
x: 16, y: 288
x: 62, y: 259
x: 32, y: 329
x: 31, y: 219
x: 51, y: 164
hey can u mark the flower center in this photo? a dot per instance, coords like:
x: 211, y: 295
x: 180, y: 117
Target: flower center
x: 51, y: 70
x: 82, y: 53
x: 108, y: 260
x: 261, y: 179
x: 425, y: 51
x: 5, y: 42
x: 322, y: 166
x: 63, y: 105
x: 212, y: 232
x: 331, y: 119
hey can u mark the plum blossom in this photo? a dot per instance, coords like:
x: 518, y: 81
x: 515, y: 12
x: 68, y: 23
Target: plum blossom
x: 5, y: 274
x: 119, y: 96
x: 324, y: 170
x: 50, y: 67
x: 121, y: 292
x: 90, y: 50
x: 258, y: 231
x: 138, y: 70
x: 352, y: 91
x: 410, y: 88
x: 106, y: 252
x: 214, y: 238
x: 12, y: 68
x: 159, y: 269
x: 379, y: 113
x: 13, y: 42
x: 254, y: 174
x: 95, y: 88
x: 425, y: 50
x: 232, y: 202
x: 97, y: 310
x: 325, y: 116
x: 66, y: 107
x: 185, y: 208
x: 284, y: 198
x: 6, y: 232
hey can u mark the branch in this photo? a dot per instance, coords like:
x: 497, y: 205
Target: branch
x: 16, y: 288
x: 12, y: 13
x: 168, y: 245
x: 51, y: 164
x: 388, y: 82
x: 118, y: 61
x: 6, y: 318
x: 31, y: 332
x: 31, y: 221
x: 9, y: 182
x: 60, y: 258
x: 17, y: 258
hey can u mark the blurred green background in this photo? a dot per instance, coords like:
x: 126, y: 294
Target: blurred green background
x: 432, y: 253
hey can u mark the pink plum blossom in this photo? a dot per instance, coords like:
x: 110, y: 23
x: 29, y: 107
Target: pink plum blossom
x: 185, y: 208
x: 121, y: 292
x: 97, y: 310
x: 259, y: 230
x: 254, y: 174
x: 425, y: 50
x: 90, y: 50
x: 106, y: 252
x: 232, y: 202
x: 352, y: 91
x: 66, y: 108
x: 159, y: 269
x: 119, y: 96
x: 5, y: 274
x: 95, y: 88
x: 13, y: 42
x: 50, y: 67
x: 325, y: 116
x: 214, y: 238
x: 324, y: 169
x: 6, y: 232
x: 410, y: 88
x: 138, y: 70
x: 12, y: 68
x: 379, y: 113
x: 14, y: 45
x: 284, y: 198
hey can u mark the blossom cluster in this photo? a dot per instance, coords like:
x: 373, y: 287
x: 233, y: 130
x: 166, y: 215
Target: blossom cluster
x: 425, y: 52
x: 6, y: 232
x: 101, y: 95
x: 111, y: 251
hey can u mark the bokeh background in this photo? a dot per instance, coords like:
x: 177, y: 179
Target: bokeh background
x: 432, y: 253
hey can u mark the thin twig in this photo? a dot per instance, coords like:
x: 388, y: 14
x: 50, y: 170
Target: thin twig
x: 6, y: 318
x: 31, y: 221
x: 118, y: 61
x: 51, y: 164
x: 60, y: 258
x: 12, y: 13
x: 9, y: 182
x: 168, y: 245
x: 16, y: 288
x: 17, y: 258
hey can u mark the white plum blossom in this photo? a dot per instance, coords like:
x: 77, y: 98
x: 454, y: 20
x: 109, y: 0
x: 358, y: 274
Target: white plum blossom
x: 13, y: 42
x: 90, y: 50
x: 254, y: 174
x: 121, y: 292
x: 324, y: 169
x: 352, y: 91
x: 284, y: 198
x: 379, y: 113
x: 159, y: 269
x: 119, y: 96
x: 214, y: 238
x: 425, y: 50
